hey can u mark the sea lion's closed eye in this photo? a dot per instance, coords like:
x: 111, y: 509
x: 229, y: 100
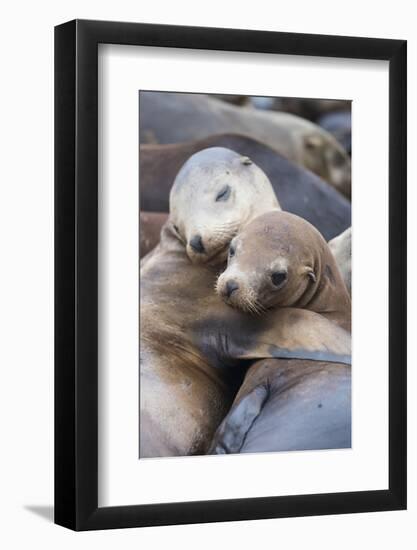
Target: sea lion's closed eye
x: 223, y: 194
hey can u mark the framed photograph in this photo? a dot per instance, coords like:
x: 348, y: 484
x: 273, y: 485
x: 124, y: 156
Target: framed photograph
x: 230, y: 284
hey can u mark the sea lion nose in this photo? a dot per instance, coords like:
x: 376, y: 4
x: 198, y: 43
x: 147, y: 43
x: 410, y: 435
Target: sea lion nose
x: 231, y: 286
x: 196, y: 244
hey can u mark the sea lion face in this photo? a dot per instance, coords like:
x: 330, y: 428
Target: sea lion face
x: 327, y: 157
x: 270, y: 263
x: 215, y: 193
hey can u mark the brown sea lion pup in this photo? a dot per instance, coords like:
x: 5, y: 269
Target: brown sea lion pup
x: 192, y: 345
x: 299, y: 190
x: 341, y: 247
x: 167, y: 117
x: 279, y: 260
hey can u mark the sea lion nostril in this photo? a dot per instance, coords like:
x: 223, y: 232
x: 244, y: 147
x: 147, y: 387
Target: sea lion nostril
x: 231, y: 286
x: 196, y: 244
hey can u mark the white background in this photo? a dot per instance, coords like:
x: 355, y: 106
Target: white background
x: 26, y: 301
x: 123, y: 479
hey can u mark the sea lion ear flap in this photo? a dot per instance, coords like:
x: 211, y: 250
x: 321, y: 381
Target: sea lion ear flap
x: 309, y: 271
x: 310, y: 274
x: 313, y: 141
x: 246, y: 161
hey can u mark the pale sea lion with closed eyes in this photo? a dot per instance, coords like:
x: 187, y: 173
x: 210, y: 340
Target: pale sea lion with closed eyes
x: 192, y: 344
x: 299, y: 190
x: 280, y: 260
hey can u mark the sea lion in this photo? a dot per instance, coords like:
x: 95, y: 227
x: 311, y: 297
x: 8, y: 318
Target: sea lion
x: 239, y: 100
x: 339, y: 124
x: 297, y: 404
x: 281, y: 260
x: 193, y: 347
x: 300, y: 191
x: 309, y: 108
x: 288, y: 405
x: 150, y: 225
x: 167, y: 117
x: 341, y: 247
x: 216, y: 192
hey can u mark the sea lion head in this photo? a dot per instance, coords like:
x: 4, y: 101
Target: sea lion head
x: 217, y: 192
x: 322, y: 154
x: 279, y: 259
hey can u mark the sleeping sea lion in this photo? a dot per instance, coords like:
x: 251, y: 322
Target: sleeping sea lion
x: 299, y: 191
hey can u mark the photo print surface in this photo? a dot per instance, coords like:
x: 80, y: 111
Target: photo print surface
x: 245, y: 274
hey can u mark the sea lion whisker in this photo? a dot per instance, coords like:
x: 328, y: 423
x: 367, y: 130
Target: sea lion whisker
x: 260, y: 306
x: 250, y: 305
x: 257, y: 307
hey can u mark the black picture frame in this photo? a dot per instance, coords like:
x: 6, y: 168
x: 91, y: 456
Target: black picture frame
x: 76, y: 272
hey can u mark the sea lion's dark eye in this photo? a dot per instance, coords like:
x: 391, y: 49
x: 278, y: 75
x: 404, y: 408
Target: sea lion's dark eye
x: 223, y: 194
x: 175, y: 228
x: 232, y: 251
x: 278, y: 277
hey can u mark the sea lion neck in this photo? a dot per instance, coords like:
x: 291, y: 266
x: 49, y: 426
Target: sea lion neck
x: 327, y: 295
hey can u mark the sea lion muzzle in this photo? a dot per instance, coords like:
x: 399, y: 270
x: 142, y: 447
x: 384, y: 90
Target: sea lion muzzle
x: 197, y: 245
x: 230, y: 287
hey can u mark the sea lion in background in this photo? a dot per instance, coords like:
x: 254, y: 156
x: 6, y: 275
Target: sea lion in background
x: 341, y: 247
x: 339, y: 124
x: 193, y: 346
x: 299, y: 191
x: 312, y: 109
x: 239, y: 100
x: 279, y: 260
x: 150, y: 225
x: 167, y: 117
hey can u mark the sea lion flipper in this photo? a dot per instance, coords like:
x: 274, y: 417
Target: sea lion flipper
x: 264, y: 351
x: 231, y: 433
x: 295, y: 334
